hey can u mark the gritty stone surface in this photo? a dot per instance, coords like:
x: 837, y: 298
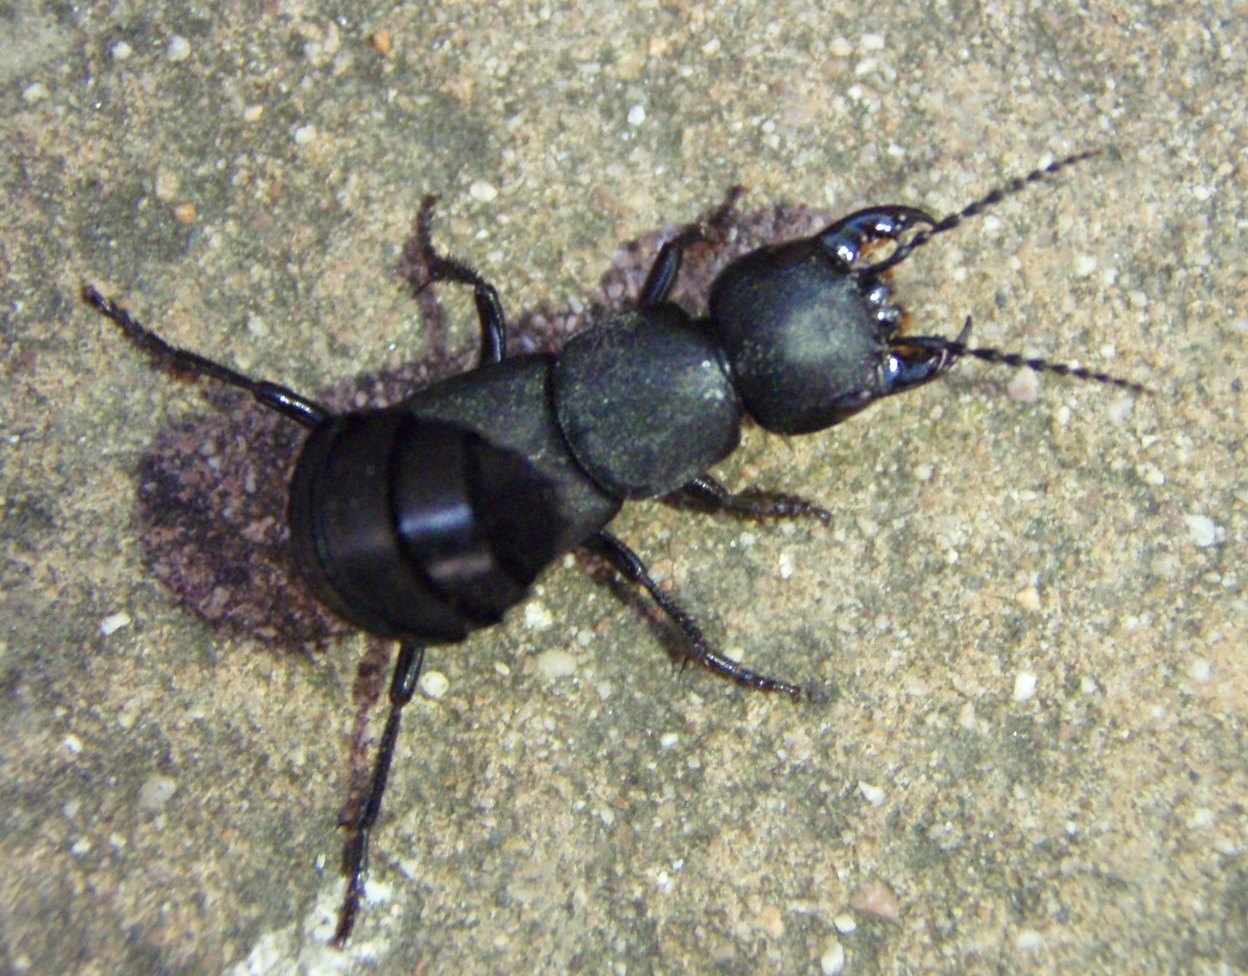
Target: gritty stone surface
x: 244, y: 179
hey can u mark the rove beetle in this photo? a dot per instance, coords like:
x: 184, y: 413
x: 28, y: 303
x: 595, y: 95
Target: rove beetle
x: 427, y: 520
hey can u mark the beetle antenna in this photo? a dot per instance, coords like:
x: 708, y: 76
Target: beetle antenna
x: 280, y: 398
x: 974, y: 209
x: 957, y: 348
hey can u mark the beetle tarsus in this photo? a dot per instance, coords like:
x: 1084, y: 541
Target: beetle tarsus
x: 751, y: 503
x: 423, y: 265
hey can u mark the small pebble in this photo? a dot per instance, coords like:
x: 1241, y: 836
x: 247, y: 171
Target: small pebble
x: 872, y: 794
x: 833, y: 959
x: 1028, y: 598
x: 1201, y: 530
x: 876, y: 898
x: 1085, y: 264
x: 1029, y: 940
x: 537, y: 616
x: 382, y: 41
x: 434, y: 684
x: 121, y: 51
x: 179, y: 48
x: 636, y: 115
x: 1024, y: 686
x: 1024, y: 387
x: 482, y: 191
x: 845, y: 923
x: 114, y: 622
x: 554, y: 664
x: 156, y: 791
x: 185, y: 213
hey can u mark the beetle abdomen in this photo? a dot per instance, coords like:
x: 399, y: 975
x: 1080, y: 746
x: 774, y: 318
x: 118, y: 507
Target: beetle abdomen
x: 415, y: 528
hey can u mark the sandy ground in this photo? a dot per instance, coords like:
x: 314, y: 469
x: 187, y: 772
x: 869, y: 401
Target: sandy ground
x: 1027, y: 617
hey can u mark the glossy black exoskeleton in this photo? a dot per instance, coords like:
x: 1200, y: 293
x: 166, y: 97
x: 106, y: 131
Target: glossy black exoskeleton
x: 427, y: 520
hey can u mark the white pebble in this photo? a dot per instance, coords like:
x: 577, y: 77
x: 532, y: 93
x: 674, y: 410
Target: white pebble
x: 668, y: 739
x: 434, y: 684
x: 833, y: 959
x: 179, y: 48
x: 114, y: 622
x: 1024, y: 386
x: 845, y: 923
x: 1024, y: 686
x: 1028, y: 598
x: 1085, y: 264
x: 156, y: 791
x: 537, y: 616
x: 72, y: 744
x: 555, y: 664
x: 305, y: 134
x: 482, y: 191
x: 34, y: 92
x: 1029, y: 940
x: 1201, y: 529
x: 121, y: 51
x: 636, y: 115
x: 786, y: 565
x: 872, y: 794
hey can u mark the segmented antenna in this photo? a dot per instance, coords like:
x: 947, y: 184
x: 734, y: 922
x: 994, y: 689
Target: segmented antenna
x: 949, y: 222
x: 957, y: 348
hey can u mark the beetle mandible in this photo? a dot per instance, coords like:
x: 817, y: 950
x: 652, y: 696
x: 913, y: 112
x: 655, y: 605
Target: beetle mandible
x: 427, y: 520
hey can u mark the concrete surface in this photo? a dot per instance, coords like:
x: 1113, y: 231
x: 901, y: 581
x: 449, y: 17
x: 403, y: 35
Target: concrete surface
x: 1028, y: 615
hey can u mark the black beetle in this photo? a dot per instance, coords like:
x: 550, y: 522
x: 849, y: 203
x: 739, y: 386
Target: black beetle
x: 427, y: 520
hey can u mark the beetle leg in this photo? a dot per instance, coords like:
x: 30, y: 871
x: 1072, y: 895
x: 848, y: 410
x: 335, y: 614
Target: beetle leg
x: 272, y: 395
x: 666, y: 267
x: 751, y: 503
x: 355, y: 851
x: 845, y: 240
x: 630, y: 566
x: 423, y: 265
